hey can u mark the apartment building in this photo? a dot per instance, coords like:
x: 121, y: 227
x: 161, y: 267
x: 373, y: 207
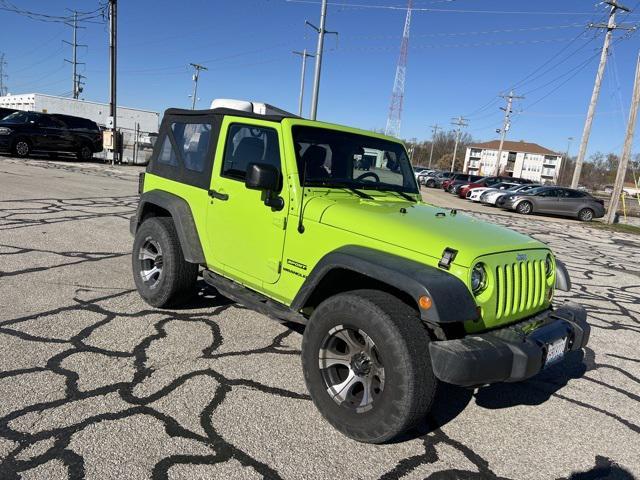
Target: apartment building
x: 519, y: 159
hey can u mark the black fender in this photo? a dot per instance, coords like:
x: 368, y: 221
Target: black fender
x: 182, y: 217
x: 452, y: 300
x: 563, y: 280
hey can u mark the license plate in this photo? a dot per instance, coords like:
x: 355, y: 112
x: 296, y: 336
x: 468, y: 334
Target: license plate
x: 555, y: 351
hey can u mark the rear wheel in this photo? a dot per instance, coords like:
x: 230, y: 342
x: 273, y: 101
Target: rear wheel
x: 524, y: 208
x: 366, y: 365
x: 431, y: 183
x: 585, y: 215
x: 84, y: 153
x: 22, y: 148
x: 161, y: 274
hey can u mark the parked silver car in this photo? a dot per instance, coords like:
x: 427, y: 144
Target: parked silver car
x: 555, y: 200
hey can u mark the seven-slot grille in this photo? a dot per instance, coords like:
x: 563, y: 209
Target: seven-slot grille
x: 521, y: 286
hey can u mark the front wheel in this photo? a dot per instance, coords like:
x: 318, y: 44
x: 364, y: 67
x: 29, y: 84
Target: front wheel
x: 22, y: 148
x: 431, y: 183
x: 366, y: 364
x: 585, y: 215
x: 524, y: 208
x: 161, y: 274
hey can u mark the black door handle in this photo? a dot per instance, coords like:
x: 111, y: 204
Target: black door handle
x: 218, y: 195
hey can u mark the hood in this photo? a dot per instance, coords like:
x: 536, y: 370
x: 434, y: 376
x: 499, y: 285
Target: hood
x: 423, y: 228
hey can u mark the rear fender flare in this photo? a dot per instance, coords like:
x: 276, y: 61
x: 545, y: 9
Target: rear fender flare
x: 182, y: 218
x: 452, y: 300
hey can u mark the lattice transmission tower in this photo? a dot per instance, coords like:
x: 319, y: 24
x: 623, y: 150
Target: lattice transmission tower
x: 397, y: 96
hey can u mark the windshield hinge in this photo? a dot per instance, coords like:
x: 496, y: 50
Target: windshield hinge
x: 280, y: 222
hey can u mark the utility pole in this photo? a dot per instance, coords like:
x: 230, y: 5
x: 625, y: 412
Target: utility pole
x: 113, y: 51
x: 506, y: 124
x: 566, y: 158
x: 75, y: 80
x: 319, y: 49
x: 304, y: 56
x: 3, y: 76
x: 586, y: 132
x: 626, y: 151
x: 434, y: 130
x: 459, y: 122
x: 196, y: 77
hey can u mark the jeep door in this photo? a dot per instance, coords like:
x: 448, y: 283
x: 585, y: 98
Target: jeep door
x: 247, y: 236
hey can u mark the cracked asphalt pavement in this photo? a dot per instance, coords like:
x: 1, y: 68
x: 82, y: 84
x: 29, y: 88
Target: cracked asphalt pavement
x: 96, y: 384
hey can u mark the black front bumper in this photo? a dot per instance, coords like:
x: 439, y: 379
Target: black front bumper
x: 509, y: 354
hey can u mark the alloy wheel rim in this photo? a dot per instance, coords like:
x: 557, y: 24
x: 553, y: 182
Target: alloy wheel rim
x: 351, y: 368
x: 151, y: 262
x: 525, y: 208
x: 22, y: 148
x: 586, y: 215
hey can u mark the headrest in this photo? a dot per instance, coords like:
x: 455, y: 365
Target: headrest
x: 315, y: 155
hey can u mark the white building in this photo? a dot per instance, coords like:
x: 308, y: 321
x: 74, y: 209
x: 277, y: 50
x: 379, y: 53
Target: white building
x: 129, y: 120
x: 519, y: 159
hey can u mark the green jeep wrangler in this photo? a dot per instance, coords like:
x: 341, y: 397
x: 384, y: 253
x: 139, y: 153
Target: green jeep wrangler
x: 324, y: 225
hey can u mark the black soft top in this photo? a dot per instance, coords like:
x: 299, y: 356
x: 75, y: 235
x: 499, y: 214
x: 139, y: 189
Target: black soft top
x: 181, y: 112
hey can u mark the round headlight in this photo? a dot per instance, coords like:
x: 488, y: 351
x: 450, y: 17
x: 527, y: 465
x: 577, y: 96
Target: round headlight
x: 478, y: 278
x: 548, y: 266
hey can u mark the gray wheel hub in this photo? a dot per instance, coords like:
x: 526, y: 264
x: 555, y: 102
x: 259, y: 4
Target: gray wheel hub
x: 22, y: 148
x: 351, y: 368
x: 151, y: 262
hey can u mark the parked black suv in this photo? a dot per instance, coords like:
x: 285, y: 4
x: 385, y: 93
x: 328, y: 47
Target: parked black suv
x: 25, y: 132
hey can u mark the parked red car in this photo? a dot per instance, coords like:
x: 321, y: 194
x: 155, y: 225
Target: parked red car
x: 458, y: 178
x: 488, y: 182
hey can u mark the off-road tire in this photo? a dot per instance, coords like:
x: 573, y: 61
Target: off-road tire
x: 402, y: 343
x: 22, y: 148
x: 84, y: 153
x: 585, y: 215
x: 524, y: 208
x: 176, y: 283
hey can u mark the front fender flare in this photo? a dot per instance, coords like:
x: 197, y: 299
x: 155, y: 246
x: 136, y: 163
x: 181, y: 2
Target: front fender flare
x: 452, y: 300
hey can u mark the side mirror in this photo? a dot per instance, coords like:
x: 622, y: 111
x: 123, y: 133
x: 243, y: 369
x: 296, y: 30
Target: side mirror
x: 261, y: 176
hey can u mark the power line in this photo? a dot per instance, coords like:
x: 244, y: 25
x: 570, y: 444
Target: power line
x: 99, y: 12
x: 441, y: 10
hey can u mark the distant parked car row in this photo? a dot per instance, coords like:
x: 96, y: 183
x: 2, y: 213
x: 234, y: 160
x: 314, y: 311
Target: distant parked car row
x: 525, y: 197
x: 23, y: 133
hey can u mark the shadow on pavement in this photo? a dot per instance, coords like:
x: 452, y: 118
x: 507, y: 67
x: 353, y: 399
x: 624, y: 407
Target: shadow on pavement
x: 536, y: 390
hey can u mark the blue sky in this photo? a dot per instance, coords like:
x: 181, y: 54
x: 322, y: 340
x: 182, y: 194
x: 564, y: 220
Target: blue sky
x: 460, y: 60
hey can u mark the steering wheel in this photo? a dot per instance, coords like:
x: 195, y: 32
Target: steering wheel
x: 369, y: 174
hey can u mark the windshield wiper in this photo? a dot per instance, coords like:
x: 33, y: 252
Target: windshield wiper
x: 346, y: 186
x: 359, y: 193
x: 384, y: 188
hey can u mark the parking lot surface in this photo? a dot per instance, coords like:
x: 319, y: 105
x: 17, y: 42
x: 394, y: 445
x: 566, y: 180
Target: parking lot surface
x: 96, y: 384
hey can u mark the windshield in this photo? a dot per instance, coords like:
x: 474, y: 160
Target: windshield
x: 332, y: 158
x: 534, y: 190
x: 16, y: 117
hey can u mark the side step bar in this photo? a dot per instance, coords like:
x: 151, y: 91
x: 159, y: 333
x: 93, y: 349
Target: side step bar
x: 251, y: 299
